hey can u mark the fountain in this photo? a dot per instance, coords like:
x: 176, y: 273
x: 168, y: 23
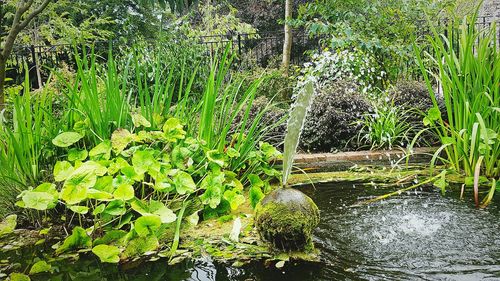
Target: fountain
x: 286, y: 217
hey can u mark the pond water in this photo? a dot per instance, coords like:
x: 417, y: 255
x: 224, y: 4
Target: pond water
x: 418, y: 235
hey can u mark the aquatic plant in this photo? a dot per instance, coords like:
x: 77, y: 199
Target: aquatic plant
x: 386, y: 127
x: 137, y: 184
x: 469, y: 79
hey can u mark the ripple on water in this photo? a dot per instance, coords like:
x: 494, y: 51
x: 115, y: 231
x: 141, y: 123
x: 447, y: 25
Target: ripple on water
x: 413, y: 235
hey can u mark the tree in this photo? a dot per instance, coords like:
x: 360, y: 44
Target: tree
x: 25, y: 12
x: 287, y: 44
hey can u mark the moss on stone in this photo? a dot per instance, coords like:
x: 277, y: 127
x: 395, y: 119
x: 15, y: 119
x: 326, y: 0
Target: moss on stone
x: 286, y: 219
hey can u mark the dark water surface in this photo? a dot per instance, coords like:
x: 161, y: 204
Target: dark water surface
x: 418, y: 235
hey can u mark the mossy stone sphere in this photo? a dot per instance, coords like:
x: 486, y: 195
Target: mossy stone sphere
x: 286, y: 218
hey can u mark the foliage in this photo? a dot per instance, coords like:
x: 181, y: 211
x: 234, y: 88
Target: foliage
x: 137, y: 186
x: 331, y: 124
x: 356, y: 66
x: 383, y: 27
x: 386, y: 127
x: 469, y: 77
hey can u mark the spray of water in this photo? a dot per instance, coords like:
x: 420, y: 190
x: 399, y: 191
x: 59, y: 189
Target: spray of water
x: 298, y: 113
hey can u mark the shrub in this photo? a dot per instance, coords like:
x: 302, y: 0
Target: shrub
x: 386, y: 127
x: 331, y: 121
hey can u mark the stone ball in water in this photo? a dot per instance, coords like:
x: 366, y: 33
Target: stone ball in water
x: 286, y: 218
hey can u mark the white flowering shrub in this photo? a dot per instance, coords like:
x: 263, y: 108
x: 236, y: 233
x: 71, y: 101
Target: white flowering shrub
x: 352, y: 65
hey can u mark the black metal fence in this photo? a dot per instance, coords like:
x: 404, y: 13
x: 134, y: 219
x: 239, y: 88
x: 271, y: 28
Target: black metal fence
x: 251, y: 50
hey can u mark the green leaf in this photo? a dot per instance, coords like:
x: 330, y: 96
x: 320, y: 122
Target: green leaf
x: 255, y: 180
x: 120, y: 139
x: 75, y: 154
x: 124, y: 192
x: 184, y: 183
x: 8, y: 225
x: 101, y: 152
x: 147, y: 225
x: 99, y: 209
x: 138, y: 120
x: 109, y: 254
x: 82, y: 210
x: 434, y: 114
x: 166, y: 215
x: 39, y: 267
x: 144, y: 160
x: 139, y: 206
x: 216, y: 157
x: 39, y: 200
x: 447, y: 140
x: 78, y: 239
x: 117, y: 165
x: 115, y: 208
x: 131, y: 173
x: 255, y: 195
x: 104, y: 184
x: 99, y: 195
x: 213, y: 190
x: 66, y: 139
x: 441, y: 182
x: 111, y: 236
x: 232, y: 153
x: 173, y: 130
x: 180, y: 156
x: 15, y: 276
x: 234, y: 199
x: 62, y: 170
x: 269, y: 151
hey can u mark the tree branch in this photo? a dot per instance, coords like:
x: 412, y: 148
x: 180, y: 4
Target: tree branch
x: 33, y: 14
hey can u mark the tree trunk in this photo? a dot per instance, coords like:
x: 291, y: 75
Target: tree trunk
x: 3, y: 63
x: 287, y: 44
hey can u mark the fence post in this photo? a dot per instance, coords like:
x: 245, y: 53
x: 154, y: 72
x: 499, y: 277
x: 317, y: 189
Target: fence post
x: 239, y: 45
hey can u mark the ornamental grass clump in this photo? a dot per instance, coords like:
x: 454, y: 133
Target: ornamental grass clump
x: 469, y: 78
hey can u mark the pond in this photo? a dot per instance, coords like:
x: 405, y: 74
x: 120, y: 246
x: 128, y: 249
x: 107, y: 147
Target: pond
x: 417, y: 235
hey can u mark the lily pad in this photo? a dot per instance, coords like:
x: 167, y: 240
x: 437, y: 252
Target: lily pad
x: 66, y: 139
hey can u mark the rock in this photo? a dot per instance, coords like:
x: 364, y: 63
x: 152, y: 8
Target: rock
x: 286, y: 218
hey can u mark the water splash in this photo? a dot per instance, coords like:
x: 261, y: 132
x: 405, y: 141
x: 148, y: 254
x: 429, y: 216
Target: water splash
x: 295, y: 125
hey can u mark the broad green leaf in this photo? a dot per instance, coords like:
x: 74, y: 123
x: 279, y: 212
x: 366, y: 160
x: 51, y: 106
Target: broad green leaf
x: 62, y: 170
x: 124, y: 192
x: 120, y: 139
x: 234, y: 199
x: 144, y: 160
x: 269, y: 151
x: 39, y: 200
x: 117, y: 165
x: 131, y: 173
x: 98, y: 210
x: 77, y: 240
x: 115, y: 208
x: 434, y: 114
x: 75, y: 154
x: 139, y: 206
x: 15, y: 276
x: 75, y: 188
x: 216, y: 157
x: 255, y: 195
x: 147, y: 225
x: 255, y: 180
x: 139, y: 121
x: 166, y: 215
x: 184, y: 183
x: 82, y: 210
x: 173, y: 130
x: 99, y: 195
x: 232, y: 153
x: 101, y: 151
x: 111, y: 237
x: 39, y: 267
x: 213, y: 190
x: 180, y: 156
x: 104, y: 184
x: 109, y: 254
x: 66, y: 139
x: 8, y: 225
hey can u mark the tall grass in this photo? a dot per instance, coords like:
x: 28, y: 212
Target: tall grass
x: 469, y: 78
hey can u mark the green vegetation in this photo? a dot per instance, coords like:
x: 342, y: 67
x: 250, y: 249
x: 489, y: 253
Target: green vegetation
x: 468, y: 77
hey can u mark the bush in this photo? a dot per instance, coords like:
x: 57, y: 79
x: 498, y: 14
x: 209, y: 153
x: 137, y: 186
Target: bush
x: 273, y: 119
x: 411, y: 95
x: 331, y: 121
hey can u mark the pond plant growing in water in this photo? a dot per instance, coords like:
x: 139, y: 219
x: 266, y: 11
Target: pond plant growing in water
x: 469, y: 79
x: 126, y: 182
